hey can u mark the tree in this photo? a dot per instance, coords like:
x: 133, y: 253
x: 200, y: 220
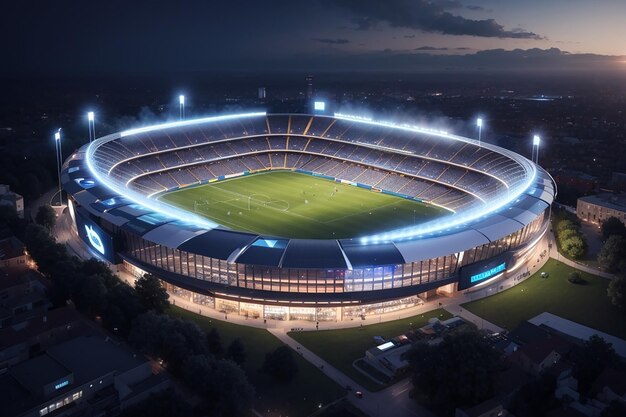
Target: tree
x: 613, y: 253
x: 568, y: 233
x: 94, y: 266
x: 46, y: 216
x: 613, y: 226
x: 214, y: 342
x: 161, y: 404
x: 90, y: 294
x: 574, y: 246
x: 221, y: 383
x: 535, y: 398
x: 172, y: 340
x: 281, y: 364
x: 590, y: 360
x: 565, y: 225
x: 236, y: 352
x: 123, y: 306
x: 617, y: 292
x: 460, y: 371
x: 152, y: 294
x: 575, y: 277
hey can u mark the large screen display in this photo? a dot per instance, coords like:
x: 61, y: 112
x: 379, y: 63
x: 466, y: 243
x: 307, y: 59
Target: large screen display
x: 480, y: 272
x: 95, y: 237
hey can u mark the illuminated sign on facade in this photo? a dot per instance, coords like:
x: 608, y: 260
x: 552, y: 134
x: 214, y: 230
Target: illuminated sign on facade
x: 319, y: 106
x: 94, y: 239
x: 488, y: 274
x: 62, y: 384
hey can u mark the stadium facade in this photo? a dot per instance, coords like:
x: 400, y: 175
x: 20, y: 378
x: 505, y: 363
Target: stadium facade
x: 498, y: 202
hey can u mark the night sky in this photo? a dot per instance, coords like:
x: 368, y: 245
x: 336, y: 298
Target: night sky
x: 70, y: 37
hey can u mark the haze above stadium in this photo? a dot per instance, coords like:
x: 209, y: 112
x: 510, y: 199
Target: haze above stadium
x: 321, y: 35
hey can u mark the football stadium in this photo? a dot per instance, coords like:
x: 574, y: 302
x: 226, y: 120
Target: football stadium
x: 306, y: 217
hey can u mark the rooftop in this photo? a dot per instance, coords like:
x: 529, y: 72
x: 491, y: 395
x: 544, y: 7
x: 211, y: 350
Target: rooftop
x: 608, y: 200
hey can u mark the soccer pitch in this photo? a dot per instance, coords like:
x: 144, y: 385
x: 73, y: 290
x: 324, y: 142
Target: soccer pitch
x: 294, y: 205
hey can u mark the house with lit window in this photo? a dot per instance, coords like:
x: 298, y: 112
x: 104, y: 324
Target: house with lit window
x: 88, y: 375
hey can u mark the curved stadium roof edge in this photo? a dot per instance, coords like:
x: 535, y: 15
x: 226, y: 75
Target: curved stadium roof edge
x: 176, y: 228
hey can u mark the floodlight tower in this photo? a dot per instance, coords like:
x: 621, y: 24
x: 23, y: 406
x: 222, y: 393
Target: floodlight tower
x: 92, y: 126
x: 181, y: 101
x: 479, y: 124
x: 59, y: 155
x: 535, y: 155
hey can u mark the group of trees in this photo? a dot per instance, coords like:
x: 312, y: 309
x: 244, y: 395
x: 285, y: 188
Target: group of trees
x: 458, y: 372
x: 91, y: 285
x: 137, y: 314
x: 612, y: 258
x: 281, y: 364
x: 569, y: 238
x: 209, y: 370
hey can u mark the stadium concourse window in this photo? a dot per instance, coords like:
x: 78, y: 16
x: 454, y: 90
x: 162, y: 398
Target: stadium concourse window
x: 317, y: 280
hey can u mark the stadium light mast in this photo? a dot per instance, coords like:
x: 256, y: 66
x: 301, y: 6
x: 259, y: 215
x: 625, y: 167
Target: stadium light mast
x: 479, y: 124
x: 181, y: 101
x: 535, y: 155
x: 59, y: 155
x: 91, y: 119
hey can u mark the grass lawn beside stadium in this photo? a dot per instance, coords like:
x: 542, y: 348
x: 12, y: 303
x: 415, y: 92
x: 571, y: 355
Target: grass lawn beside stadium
x: 295, y: 205
x: 342, y: 347
x: 586, y: 304
x: 298, y: 398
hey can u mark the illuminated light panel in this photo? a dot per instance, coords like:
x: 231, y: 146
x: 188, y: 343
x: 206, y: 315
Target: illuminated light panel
x: 319, y: 106
x: 488, y: 274
x: 142, y: 200
x: 385, y: 346
x: 188, y: 123
x: 90, y: 116
x: 536, y: 140
x: 94, y: 239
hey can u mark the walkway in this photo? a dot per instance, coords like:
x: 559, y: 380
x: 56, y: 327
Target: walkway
x: 393, y: 401
x: 554, y: 254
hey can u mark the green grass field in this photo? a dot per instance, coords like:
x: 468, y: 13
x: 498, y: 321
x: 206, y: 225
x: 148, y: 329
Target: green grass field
x: 343, y: 346
x: 298, y: 398
x: 586, y: 304
x: 295, y: 205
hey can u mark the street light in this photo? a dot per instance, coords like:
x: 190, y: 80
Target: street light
x: 181, y: 101
x: 92, y: 126
x: 479, y: 123
x: 59, y: 155
x: 536, y: 142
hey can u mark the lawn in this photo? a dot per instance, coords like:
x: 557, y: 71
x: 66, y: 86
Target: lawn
x: 295, y: 205
x: 342, y: 347
x: 585, y: 304
x: 298, y: 398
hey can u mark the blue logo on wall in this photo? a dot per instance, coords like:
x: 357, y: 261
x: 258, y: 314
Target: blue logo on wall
x: 94, y: 239
x: 62, y: 384
x: 488, y: 274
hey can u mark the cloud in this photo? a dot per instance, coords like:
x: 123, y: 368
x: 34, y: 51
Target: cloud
x: 430, y: 48
x: 427, y: 16
x: 410, y: 61
x: 409, y: 36
x: 336, y: 41
x: 475, y: 8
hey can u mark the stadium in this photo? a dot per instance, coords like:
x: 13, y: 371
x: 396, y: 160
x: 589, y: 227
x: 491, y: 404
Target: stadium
x: 306, y: 217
